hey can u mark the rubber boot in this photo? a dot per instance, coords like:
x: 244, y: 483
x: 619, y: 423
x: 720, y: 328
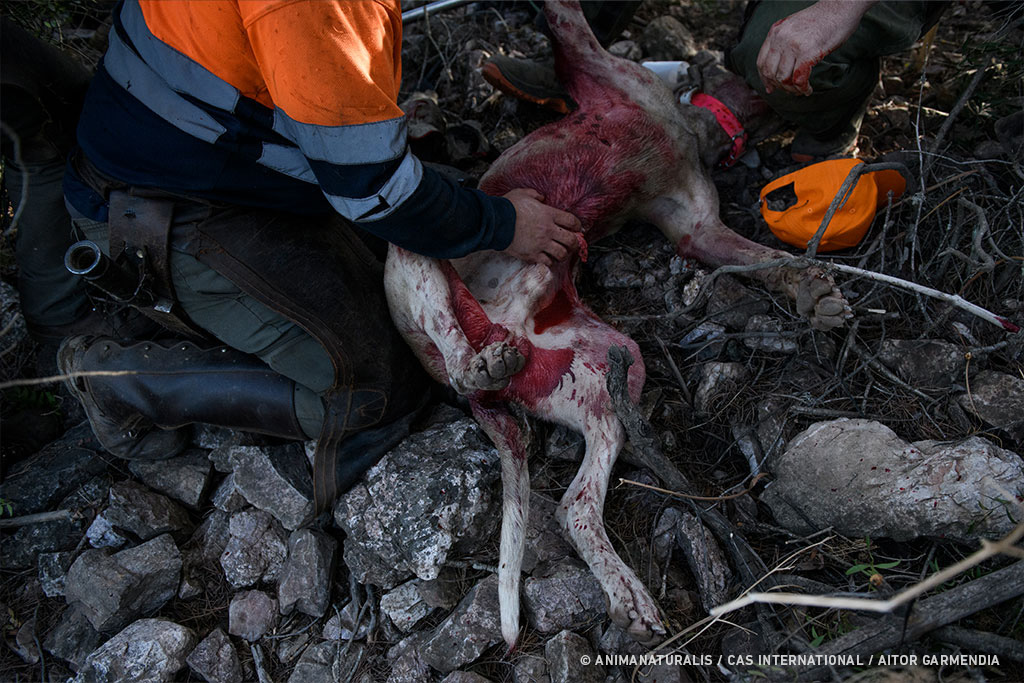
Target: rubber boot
x: 148, y: 392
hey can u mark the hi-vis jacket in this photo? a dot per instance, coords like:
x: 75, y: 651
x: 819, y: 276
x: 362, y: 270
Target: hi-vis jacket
x: 282, y: 104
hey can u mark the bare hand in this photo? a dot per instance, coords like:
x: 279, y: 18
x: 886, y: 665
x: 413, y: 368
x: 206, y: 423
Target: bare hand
x: 544, y: 234
x: 795, y: 44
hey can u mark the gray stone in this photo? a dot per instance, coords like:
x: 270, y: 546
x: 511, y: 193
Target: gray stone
x: 544, y: 539
x: 212, y: 536
x: 531, y: 668
x: 563, y: 595
x: 24, y: 642
x: 290, y: 648
x: 21, y: 549
x: 924, y: 363
x: 275, y: 479
x: 40, y: 482
x: 616, y: 640
x: 429, y: 497
x: 211, y: 438
x: 617, y: 270
x: 765, y: 333
x: 565, y: 654
x: 73, y: 638
x: 405, y: 606
x: 665, y: 39
x: 732, y: 304
x: 320, y: 663
x: 343, y: 626
x: 184, y: 478
x: 564, y: 444
x: 215, y: 659
x: 53, y: 568
x: 718, y: 383
x: 227, y: 497
x: 998, y: 399
x: 474, y: 626
x: 407, y: 666
x: 147, y: 651
x: 113, y: 589
x: 189, y: 588
x: 251, y: 615
x: 256, y: 549
x: 465, y: 677
x: 860, y: 478
x: 626, y: 49
x: 135, y: 511
x: 306, y: 579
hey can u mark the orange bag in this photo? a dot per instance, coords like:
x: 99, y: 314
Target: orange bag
x: 815, y: 187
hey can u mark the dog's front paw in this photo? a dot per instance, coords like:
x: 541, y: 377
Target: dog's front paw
x: 818, y: 299
x: 489, y: 370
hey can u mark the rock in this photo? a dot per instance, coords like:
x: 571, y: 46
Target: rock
x: 564, y: 444
x: 407, y: 666
x: 39, y: 483
x: 544, y: 540
x: 24, y: 642
x: 189, y: 588
x: 290, y: 648
x: 764, y: 333
x: 211, y: 537
x: 430, y: 496
x: 149, y: 650
x: 143, y: 514
x: 53, y: 568
x: 617, y: 270
x: 275, y: 479
x: 718, y: 381
x: 256, y: 549
x: 860, y: 478
x: 563, y: 595
x: 616, y: 640
x: 465, y: 677
x: 924, y: 363
x: 732, y: 304
x: 320, y: 664
x: 468, y: 631
x: 998, y: 399
x: 215, y: 659
x: 531, y: 668
x: 73, y: 638
x: 184, y: 478
x: 227, y: 497
x: 342, y: 626
x: 405, y: 606
x: 626, y: 49
x: 306, y: 580
x: 251, y: 615
x: 566, y: 653
x: 665, y: 39
x: 113, y: 589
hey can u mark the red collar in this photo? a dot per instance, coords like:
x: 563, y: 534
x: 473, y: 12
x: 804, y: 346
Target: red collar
x: 729, y: 123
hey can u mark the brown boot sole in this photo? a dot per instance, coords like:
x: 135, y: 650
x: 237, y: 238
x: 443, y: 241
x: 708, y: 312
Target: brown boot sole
x: 492, y: 74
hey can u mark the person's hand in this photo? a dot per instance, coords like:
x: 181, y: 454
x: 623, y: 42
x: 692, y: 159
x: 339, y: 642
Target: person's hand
x: 795, y: 44
x: 544, y: 234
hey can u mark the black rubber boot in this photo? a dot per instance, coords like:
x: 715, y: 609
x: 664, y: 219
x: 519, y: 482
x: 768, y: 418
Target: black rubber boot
x: 148, y: 392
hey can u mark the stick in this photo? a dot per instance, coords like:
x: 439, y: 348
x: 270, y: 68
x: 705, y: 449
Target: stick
x: 38, y: 518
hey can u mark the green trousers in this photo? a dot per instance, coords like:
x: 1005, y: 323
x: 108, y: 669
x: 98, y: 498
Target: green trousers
x: 844, y: 80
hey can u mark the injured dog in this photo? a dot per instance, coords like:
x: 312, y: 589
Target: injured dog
x: 502, y: 331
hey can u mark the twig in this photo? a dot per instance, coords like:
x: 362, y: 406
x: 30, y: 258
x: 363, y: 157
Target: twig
x: 954, y: 299
x: 712, y: 499
x: 10, y: 324
x: 37, y: 518
x: 52, y: 379
x: 257, y: 660
x: 989, y: 643
x: 988, y: 549
x: 948, y: 123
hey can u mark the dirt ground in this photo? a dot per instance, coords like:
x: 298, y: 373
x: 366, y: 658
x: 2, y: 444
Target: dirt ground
x: 959, y: 229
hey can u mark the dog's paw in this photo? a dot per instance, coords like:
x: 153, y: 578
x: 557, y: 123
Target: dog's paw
x: 820, y: 301
x: 633, y: 609
x: 489, y: 370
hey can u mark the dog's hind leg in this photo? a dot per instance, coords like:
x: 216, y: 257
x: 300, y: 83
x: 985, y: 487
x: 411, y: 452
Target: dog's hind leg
x: 581, y: 512
x: 511, y: 439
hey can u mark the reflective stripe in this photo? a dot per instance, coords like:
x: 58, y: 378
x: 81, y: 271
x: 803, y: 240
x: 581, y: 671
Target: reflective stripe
x: 180, y: 72
x: 365, y: 143
x: 287, y: 160
x: 145, y: 85
x: 396, y: 190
